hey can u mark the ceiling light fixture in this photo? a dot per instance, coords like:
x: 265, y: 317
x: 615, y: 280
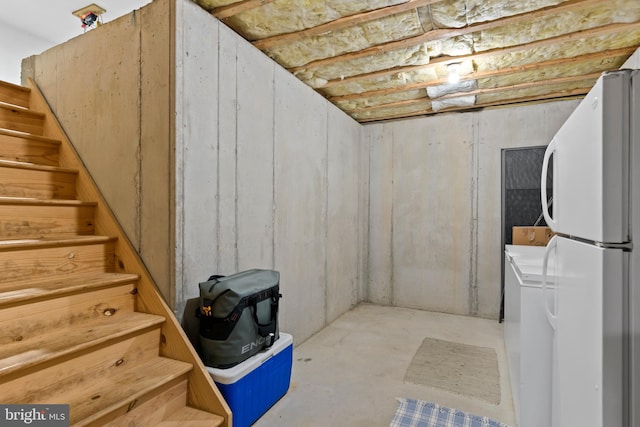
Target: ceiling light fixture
x: 89, y: 16
x: 454, y: 72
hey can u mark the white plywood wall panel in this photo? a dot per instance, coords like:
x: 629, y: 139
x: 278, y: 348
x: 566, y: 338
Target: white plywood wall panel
x: 526, y: 126
x: 343, y: 204
x: 432, y: 216
x: 300, y: 199
x: 255, y: 173
x: 196, y: 154
x: 380, y: 279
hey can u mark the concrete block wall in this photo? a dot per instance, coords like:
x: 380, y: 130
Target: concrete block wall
x: 435, y: 205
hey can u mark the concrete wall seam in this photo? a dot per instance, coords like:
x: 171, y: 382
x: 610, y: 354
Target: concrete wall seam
x: 473, y: 252
x: 138, y: 176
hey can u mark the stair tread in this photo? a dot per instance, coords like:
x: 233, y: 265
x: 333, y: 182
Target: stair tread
x: 124, y: 388
x: 7, y: 200
x: 14, y: 106
x: 27, y: 135
x: 191, y: 417
x: 14, y: 292
x: 48, y: 242
x: 75, y: 337
x: 33, y: 166
x: 20, y: 109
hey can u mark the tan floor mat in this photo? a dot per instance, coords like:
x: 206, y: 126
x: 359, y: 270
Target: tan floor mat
x: 459, y: 368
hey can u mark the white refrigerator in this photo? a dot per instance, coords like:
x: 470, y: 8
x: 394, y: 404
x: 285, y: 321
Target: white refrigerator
x: 595, y: 303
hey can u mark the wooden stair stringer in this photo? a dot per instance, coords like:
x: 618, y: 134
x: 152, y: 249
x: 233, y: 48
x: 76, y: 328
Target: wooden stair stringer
x: 202, y: 393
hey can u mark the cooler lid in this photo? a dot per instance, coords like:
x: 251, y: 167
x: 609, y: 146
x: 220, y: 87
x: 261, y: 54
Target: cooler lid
x: 232, y: 375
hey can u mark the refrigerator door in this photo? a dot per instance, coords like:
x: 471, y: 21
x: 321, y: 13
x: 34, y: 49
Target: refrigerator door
x: 590, y: 155
x: 589, y: 375
x: 634, y: 278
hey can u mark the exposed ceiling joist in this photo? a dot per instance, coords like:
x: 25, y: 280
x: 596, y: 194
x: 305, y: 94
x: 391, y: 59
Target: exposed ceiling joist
x: 225, y: 12
x: 439, y: 34
x: 575, y: 36
x: 380, y: 59
x: 568, y: 94
x: 344, y: 22
x: 625, y: 51
x: 525, y: 85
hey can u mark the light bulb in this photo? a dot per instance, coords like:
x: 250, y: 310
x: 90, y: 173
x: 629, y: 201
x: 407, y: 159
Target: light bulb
x: 454, y: 76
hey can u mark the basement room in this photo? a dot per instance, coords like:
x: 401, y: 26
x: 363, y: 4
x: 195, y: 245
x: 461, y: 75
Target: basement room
x: 281, y: 213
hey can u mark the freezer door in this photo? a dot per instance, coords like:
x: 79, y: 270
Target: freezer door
x: 589, y: 371
x: 590, y: 155
x: 512, y: 329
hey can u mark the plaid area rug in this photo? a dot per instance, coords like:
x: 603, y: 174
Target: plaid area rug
x: 417, y: 413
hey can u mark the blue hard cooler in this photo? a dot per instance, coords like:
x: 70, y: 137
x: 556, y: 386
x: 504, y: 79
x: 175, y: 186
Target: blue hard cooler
x: 255, y: 385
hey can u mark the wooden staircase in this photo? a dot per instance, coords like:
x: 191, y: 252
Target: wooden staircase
x: 81, y: 321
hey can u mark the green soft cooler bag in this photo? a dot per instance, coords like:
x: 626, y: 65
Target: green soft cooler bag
x: 238, y: 316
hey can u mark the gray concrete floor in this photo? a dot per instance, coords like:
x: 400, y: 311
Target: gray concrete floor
x: 351, y: 372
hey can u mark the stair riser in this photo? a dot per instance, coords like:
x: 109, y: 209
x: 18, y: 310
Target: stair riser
x: 23, y: 326
x: 150, y: 410
x: 74, y: 380
x: 25, y: 221
x: 13, y: 94
x: 21, y: 120
x: 77, y: 338
x: 54, y: 262
x: 22, y: 149
x: 155, y: 410
x: 15, y: 182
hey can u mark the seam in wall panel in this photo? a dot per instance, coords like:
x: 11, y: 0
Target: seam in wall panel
x: 273, y: 168
x: 326, y: 216
x: 217, y: 196
x: 139, y: 148
x: 392, y: 264
x: 473, y: 246
x: 178, y: 164
x: 235, y: 169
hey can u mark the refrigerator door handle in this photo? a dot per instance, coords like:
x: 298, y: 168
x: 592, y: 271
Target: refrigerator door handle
x: 551, y: 149
x: 551, y: 317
